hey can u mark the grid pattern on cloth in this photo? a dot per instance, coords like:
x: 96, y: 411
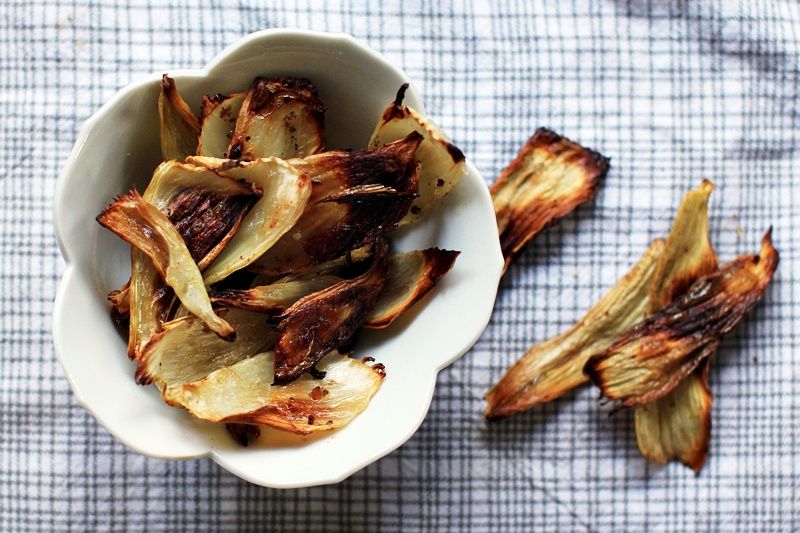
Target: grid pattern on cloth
x: 673, y: 92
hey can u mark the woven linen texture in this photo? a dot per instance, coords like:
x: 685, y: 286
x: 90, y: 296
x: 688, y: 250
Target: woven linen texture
x: 673, y: 92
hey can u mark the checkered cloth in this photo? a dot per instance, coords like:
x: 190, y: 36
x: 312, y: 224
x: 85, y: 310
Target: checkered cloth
x: 673, y: 92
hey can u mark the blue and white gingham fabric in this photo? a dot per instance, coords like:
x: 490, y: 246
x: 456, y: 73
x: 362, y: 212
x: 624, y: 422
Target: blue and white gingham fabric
x: 673, y: 92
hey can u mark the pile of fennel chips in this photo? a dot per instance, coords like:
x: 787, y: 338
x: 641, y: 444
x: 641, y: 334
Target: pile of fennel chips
x: 257, y: 255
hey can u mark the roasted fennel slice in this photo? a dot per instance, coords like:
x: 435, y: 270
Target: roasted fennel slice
x: 678, y: 425
x: 280, y: 117
x: 179, y: 127
x: 347, y: 208
x: 325, y: 320
x: 276, y: 297
x: 218, y: 119
x: 410, y: 276
x: 145, y: 227
x: 652, y: 358
x: 555, y: 366
x: 548, y: 179
x: 245, y: 393
x: 184, y: 350
x: 284, y: 194
x: 391, y: 165
x: 442, y: 164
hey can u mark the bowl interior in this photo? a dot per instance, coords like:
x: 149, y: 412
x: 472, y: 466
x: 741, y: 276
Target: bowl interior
x: 119, y: 148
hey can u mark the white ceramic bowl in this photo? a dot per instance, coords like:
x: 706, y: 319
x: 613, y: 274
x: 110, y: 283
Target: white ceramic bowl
x: 118, y: 148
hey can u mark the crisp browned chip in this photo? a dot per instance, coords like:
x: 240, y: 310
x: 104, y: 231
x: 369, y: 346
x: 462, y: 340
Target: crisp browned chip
x: 391, y: 165
x: 549, y: 178
x: 149, y: 230
x: 652, y: 358
x: 276, y: 297
x: 555, y: 366
x: 678, y: 425
x: 343, y: 212
x: 441, y: 163
x: 218, y: 118
x: 179, y: 127
x: 409, y: 277
x: 184, y: 350
x: 324, y: 320
x: 244, y: 393
x: 285, y: 193
x: 280, y: 117
x: 336, y: 170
